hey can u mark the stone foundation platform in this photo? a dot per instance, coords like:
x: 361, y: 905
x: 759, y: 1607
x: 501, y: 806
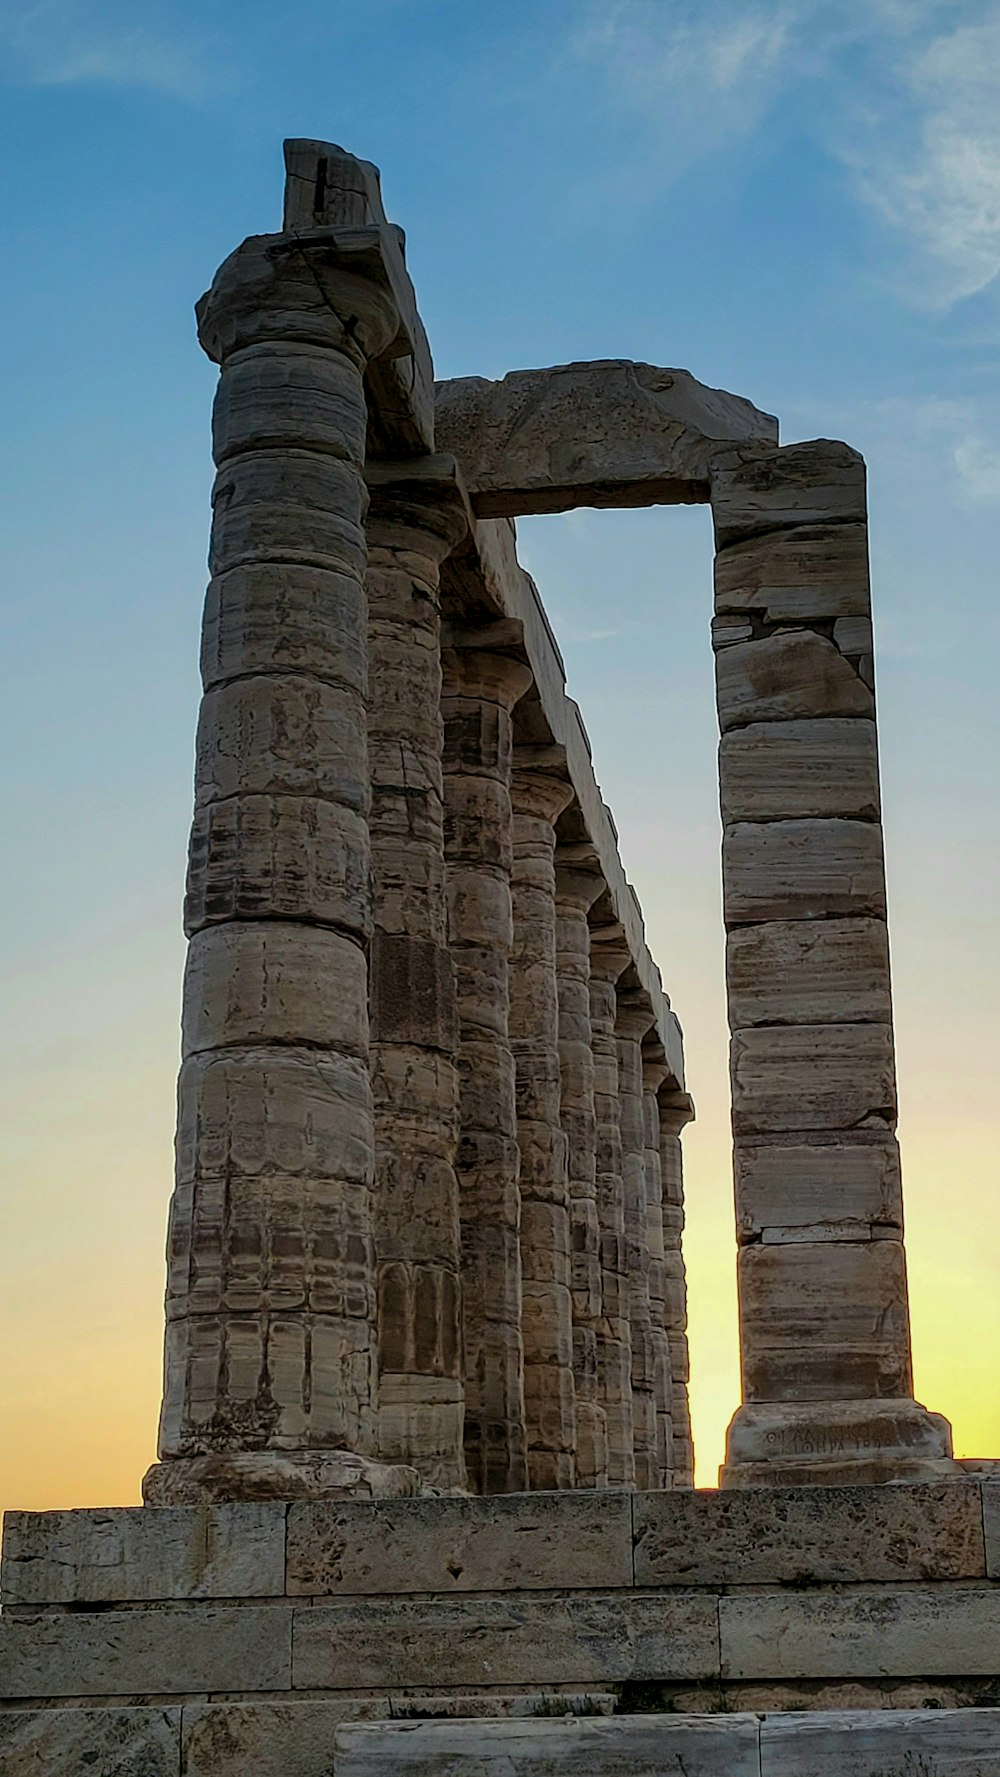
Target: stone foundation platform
x: 771, y: 1631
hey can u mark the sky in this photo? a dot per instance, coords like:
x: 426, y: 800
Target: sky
x: 797, y: 200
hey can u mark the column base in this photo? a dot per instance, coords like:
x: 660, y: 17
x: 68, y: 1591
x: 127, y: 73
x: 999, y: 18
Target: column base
x: 275, y: 1474
x: 836, y: 1444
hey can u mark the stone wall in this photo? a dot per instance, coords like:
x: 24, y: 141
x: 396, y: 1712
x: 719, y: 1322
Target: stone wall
x: 253, y: 1631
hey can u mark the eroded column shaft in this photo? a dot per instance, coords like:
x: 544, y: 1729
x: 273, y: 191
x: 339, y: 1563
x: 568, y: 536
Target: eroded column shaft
x: 478, y: 693
x: 675, y: 1111
x: 416, y: 514
x: 633, y: 1021
x: 270, y: 1352
x: 824, y: 1319
x: 654, y: 1073
x: 608, y: 960
x: 576, y: 890
x: 547, y: 1311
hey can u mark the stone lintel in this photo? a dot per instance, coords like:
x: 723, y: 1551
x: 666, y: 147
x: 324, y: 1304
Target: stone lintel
x: 608, y: 433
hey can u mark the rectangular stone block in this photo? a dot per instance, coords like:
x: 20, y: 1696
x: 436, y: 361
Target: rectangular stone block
x: 582, y: 1639
x: 824, y: 1320
x: 523, y: 1541
x: 626, y: 1746
x: 804, y: 971
x: 808, y: 574
x: 791, y: 676
x: 137, y: 1555
x: 269, y: 1739
x: 811, y: 1076
x: 877, y: 1633
x: 99, y: 1742
x: 991, y: 1521
x: 812, y: 483
x: 831, y: 1188
x: 778, y: 771
x: 802, y: 870
x: 800, y: 1535
x: 881, y: 1743
x: 122, y: 1653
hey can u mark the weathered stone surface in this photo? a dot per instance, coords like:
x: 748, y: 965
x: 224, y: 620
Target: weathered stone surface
x: 833, y: 1187
x: 991, y: 1520
x: 479, y: 691
x: 629, y: 1746
x: 877, y: 1743
x: 807, y: 574
x: 841, y: 1443
x: 811, y: 1076
x: 134, y: 1555
x: 101, y: 1742
x: 281, y: 1111
x: 785, y: 677
x: 809, y: 972
x: 781, y: 771
x: 270, y: 1739
x: 524, y: 1541
x: 325, y: 186
x: 610, y: 433
x: 860, y: 1634
x: 271, y: 982
x: 824, y: 1321
x: 813, y: 483
x: 817, y: 1535
x: 166, y: 1651
x: 808, y: 869
x: 277, y: 1475
x: 579, y: 1640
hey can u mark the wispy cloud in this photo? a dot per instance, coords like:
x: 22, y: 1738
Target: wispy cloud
x: 77, y: 43
x: 905, y: 93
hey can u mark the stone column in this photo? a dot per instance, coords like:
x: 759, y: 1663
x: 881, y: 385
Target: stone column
x: 576, y: 891
x: 478, y: 693
x: 417, y: 513
x: 547, y: 1312
x: 654, y: 1072
x: 609, y: 958
x: 633, y: 1020
x: 270, y: 1351
x: 824, y: 1321
x: 675, y: 1110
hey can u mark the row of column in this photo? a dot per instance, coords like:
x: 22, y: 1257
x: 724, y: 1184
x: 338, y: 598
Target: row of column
x: 417, y: 1232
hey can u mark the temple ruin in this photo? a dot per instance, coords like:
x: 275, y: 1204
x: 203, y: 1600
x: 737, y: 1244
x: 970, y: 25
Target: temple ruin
x: 425, y: 1470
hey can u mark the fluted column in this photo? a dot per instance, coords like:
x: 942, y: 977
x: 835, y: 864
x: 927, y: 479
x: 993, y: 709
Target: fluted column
x: 576, y: 891
x: 654, y: 1072
x: 676, y: 1110
x: 416, y: 515
x: 547, y: 1314
x: 633, y: 1021
x: 270, y: 1351
x: 478, y: 693
x: 824, y: 1315
x: 609, y: 958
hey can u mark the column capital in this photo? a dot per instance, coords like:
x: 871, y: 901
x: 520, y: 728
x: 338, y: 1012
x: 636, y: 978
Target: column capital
x: 654, y: 1072
x: 421, y: 494
x: 332, y: 287
x: 538, y: 793
x: 480, y: 673
x: 577, y: 887
x: 635, y: 1015
x: 676, y: 1111
x: 609, y: 954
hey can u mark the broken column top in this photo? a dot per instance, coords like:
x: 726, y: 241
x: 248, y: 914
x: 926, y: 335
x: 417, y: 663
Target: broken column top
x: 608, y: 433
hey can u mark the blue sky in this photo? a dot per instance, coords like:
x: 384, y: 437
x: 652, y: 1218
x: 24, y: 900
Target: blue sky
x: 798, y: 200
